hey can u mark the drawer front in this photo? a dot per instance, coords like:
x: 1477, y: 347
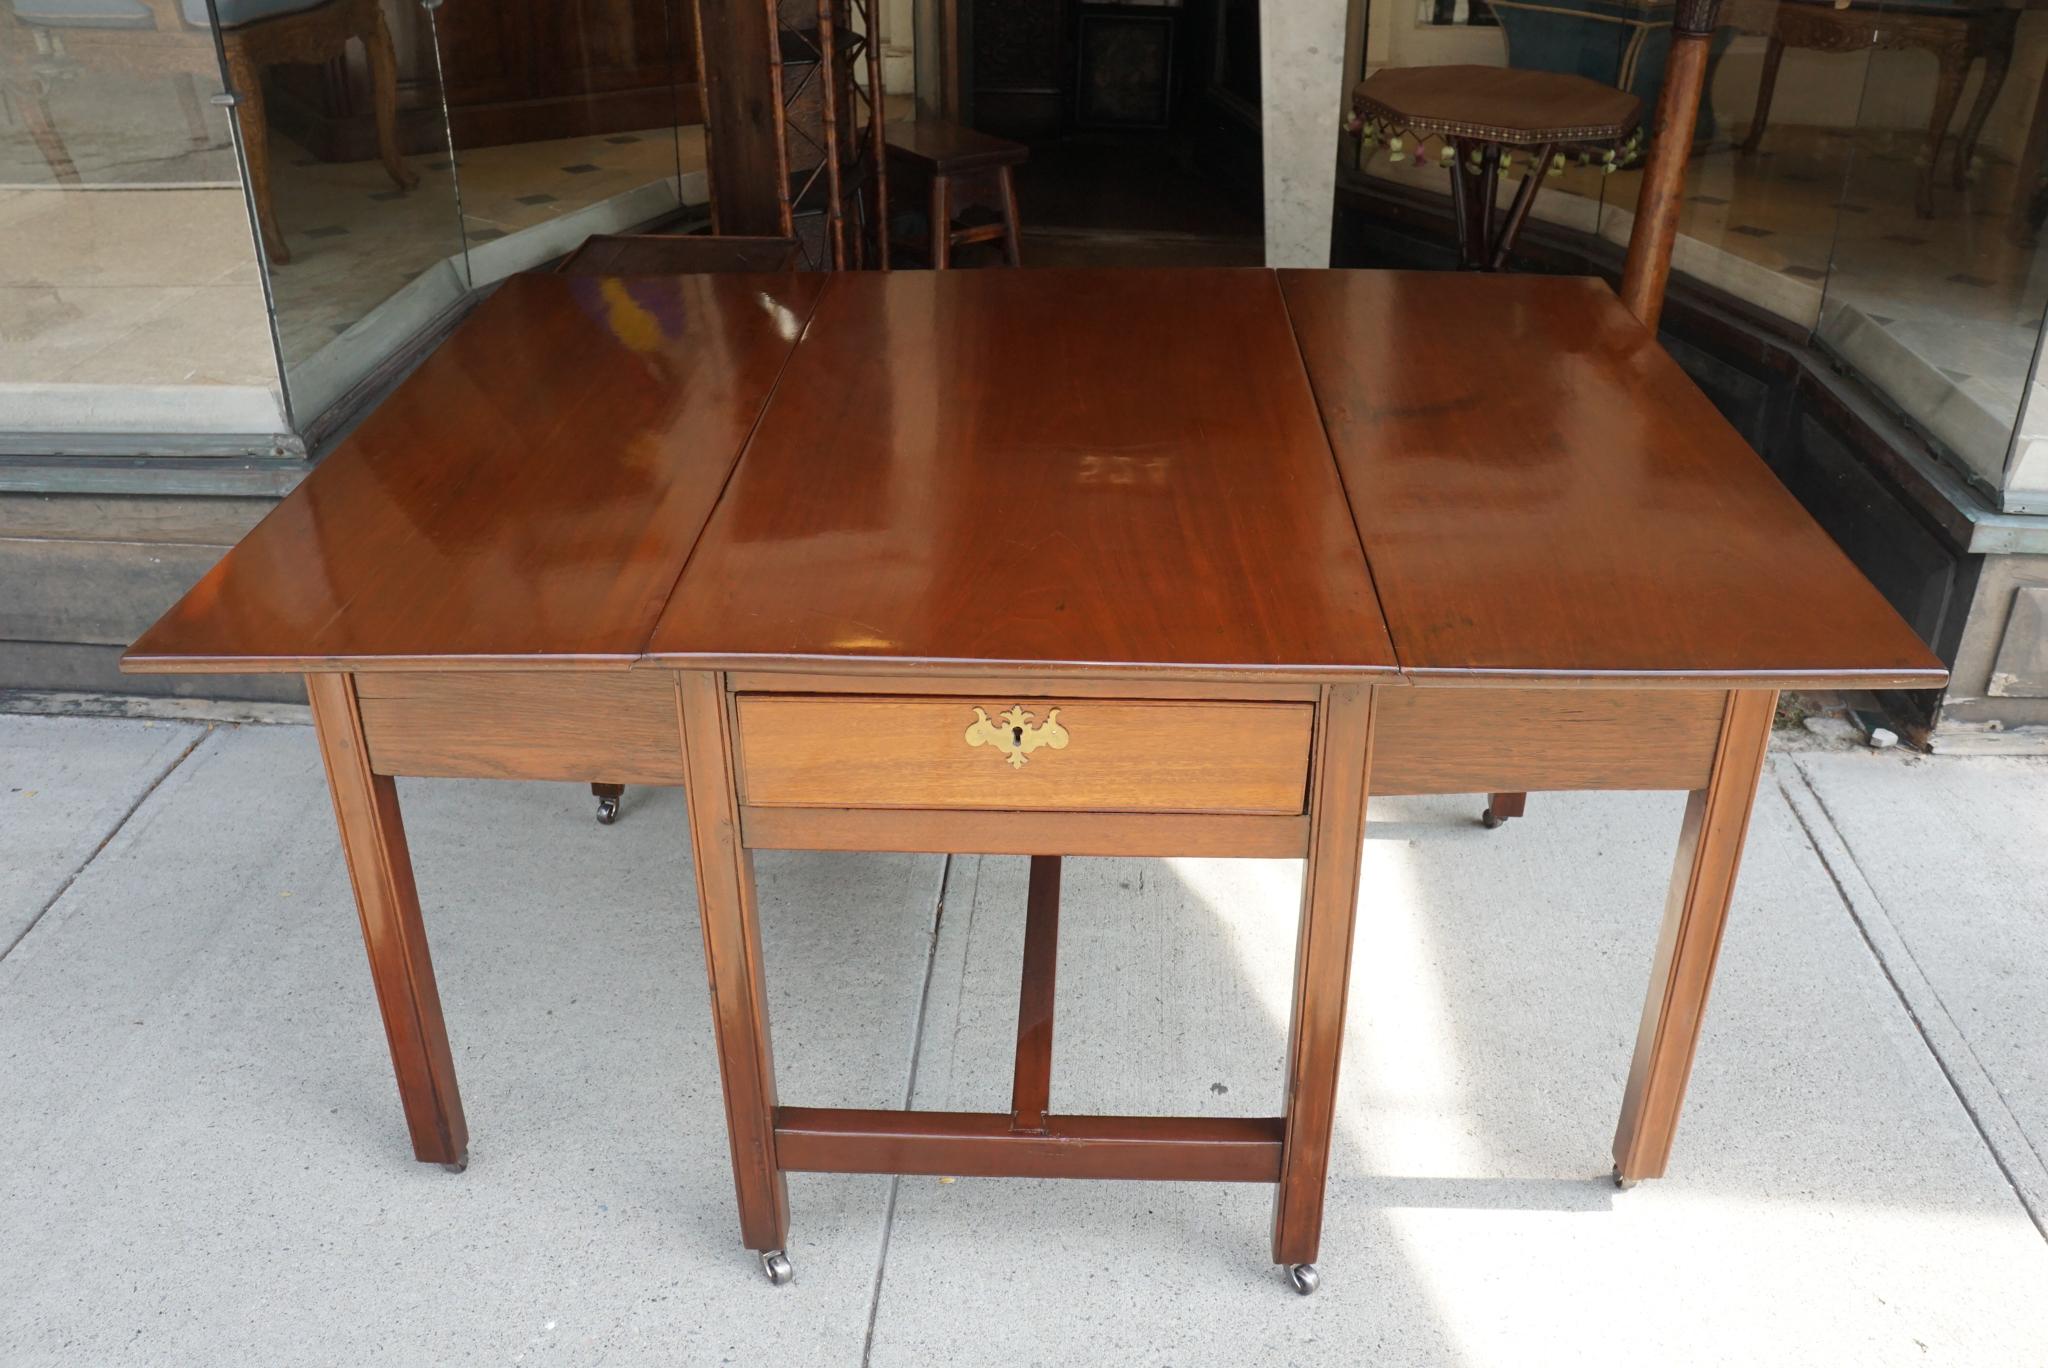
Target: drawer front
x: 1039, y: 754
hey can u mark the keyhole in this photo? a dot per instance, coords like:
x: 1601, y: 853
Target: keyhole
x: 1016, y: 736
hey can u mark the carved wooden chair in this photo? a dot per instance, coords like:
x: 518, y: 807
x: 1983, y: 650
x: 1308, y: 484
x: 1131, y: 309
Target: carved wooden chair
x: 663, y: 254
x: 256, y: 33
x: 1648, y: 266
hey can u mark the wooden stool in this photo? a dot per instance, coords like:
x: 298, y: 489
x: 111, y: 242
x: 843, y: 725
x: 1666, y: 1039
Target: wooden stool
x: 961, y: 170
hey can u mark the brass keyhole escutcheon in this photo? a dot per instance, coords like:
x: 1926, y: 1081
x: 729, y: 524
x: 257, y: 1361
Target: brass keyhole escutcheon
x: 1017, y: 734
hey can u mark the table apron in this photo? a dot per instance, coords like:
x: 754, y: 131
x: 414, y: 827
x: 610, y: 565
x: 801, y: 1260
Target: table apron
x: 620, y: 727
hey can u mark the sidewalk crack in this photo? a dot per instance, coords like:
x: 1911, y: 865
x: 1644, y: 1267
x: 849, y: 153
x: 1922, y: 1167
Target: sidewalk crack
x: 105, y: 841
x: 924, y: 998
x: 1850, y: 903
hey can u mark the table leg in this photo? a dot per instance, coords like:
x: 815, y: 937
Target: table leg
x: 732, y: 961
x: 380, y: 868
x: 377, y: 45
x: 2027, y: 170
x: 1322, y: 972
x: 1502, y: 806
x: 1767, y: 86
x: 1525, y: 197
x: 1031, y: 1081
x: 1462, y: 191
x: 1012, y: 252
x: 245, y: 79
x: 941, y: 214
x: 1948, y: 90
x: 1997, y: 59
x: 1702, y: 884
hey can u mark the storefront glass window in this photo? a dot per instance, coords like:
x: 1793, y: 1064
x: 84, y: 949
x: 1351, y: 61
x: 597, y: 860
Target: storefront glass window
x: 132, y: 308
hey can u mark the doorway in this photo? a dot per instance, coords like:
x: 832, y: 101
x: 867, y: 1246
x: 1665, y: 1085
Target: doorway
x: 1142, y: 117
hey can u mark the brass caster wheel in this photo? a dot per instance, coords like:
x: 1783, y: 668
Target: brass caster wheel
x: 459, y: 1165
x: 1623, y: 1183
x: 607, y: 811
x: 775, y: 1264
x: 1304, y: 1277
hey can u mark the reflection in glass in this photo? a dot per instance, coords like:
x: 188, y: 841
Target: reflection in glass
x: 130, y: 298
x: 565, y: 120
x: 530, y: 123
x: 342, y: 115
x: 1934, y: 297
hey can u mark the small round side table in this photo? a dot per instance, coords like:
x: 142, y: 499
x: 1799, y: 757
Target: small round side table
x: 1483, y: 116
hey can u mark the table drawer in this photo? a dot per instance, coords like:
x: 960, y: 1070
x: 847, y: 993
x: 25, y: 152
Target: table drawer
x: 1033, y: 754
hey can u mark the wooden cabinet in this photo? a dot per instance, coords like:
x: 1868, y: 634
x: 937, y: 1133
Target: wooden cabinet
x: 515, y: 71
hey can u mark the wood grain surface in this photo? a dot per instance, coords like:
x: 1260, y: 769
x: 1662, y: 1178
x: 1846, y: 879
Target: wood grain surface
x: 1115, y: 469
x: 617, y: 726
x: 1225, y: 1149
x: 525, y: 499
x: 1543, y: 492
x: 1119, y: 756
x: 1488, y: 739
x: 388, y: 904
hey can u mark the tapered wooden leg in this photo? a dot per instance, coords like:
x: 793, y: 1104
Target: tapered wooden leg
x: 1997, y: 59
x: 384, y: 98
x: 942, y: 225
x: 1767, y: 86
x: 732, y: 959
x: 1702, y: 883
x: 245, y: 77
x: 1948, y: 91
x: 1031, y: 1081
x: 1322, y: 967
x: 42, y: 130
x: 380, y: 867
x: 1012, y: 252
x: 1501, y: 806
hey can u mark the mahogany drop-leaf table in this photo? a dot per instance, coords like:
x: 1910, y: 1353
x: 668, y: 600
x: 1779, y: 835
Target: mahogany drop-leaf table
x: 1044, y: 563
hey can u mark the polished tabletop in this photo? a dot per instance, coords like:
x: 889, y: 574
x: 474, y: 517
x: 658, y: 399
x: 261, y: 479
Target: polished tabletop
x: 1221, y: 472
x: 524, y: 499
x: 1022, y: 468
x: 1544, y: 492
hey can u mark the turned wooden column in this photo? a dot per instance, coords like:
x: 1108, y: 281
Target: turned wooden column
x: 1657, y: 206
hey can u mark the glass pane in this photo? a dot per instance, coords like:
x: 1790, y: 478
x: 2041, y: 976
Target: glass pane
x: 350, y: 168
x: 1935, y: 299
x: 1764, y: 185
x: 565, y: 118
x: 130, y: 298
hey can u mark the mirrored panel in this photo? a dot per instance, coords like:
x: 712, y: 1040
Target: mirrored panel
x: 1771, y: 153
x: 353, y: 181
x: 569, y: 117
x: 1936, y: 294
x: 132, y: 313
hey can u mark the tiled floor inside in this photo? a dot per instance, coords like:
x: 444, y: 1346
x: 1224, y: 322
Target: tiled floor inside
x: 356, y: 240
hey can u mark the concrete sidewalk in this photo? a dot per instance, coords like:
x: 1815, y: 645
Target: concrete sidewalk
x: 204, y: 1161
